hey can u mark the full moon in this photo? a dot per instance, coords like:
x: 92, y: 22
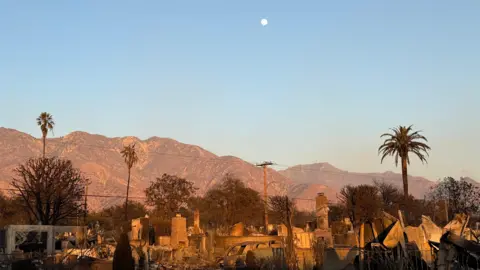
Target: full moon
x: 264, y: 22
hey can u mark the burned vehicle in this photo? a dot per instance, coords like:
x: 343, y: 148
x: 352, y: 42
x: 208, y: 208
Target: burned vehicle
x: 254, y: 254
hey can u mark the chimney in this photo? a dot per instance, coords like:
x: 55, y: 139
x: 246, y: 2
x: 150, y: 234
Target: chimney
x: 321, y: 202
x: 196, y: 219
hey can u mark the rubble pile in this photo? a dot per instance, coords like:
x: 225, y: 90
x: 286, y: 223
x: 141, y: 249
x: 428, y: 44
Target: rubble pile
x: 385, y: 242
x: 427, y: 245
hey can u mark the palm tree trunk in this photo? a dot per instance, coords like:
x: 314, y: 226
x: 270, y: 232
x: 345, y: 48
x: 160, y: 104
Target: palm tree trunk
x: 126, y: 201
x: 405, y: 178
x: 291, y: 257
x: 44, y: 142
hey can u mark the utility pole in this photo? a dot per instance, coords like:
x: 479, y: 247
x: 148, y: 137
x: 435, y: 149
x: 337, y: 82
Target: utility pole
x: 85, y: 213
x: 265, y: 165
x: 446, y: 210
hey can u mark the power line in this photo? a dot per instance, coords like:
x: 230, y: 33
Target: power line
x: 137, y: 198
x: 117, y: 149
x: 91, y: 195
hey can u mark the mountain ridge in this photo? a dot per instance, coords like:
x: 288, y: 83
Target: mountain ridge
x: 99, y: 157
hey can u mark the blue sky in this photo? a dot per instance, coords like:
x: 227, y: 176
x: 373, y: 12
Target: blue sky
x: 319, y: 83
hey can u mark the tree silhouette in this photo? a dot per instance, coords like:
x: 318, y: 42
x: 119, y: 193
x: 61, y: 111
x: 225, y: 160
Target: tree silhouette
x: 50, y: 189
x: 46, y: 123
x: 113, y: 217
x: 130, y: 156
x: 461, y: 196
x: 122, y: 257
x: 168, y: 194
x: 399, y: 144
x: 391, y: 196
x: 362, y: 203
x: 285, y: 207
x: 231, y: 201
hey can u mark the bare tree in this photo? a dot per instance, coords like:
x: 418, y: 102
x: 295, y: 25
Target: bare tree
x: 286, y: 208
x: 130, y: 156
x: 51, y: 189
x: 46, y: 123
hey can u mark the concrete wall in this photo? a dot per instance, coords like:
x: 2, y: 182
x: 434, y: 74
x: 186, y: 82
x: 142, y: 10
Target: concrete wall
x: 304, y: 239
x: 162, y: 229
x: 140, y: 227
x: 162, y: 240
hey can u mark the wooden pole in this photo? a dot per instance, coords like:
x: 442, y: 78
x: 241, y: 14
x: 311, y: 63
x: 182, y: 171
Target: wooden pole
x: 446, y: 210
x: 85, y: 213
x: 265, y: 195
x: 362, y: 246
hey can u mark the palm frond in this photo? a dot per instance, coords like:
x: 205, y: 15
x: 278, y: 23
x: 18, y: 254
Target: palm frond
x: 401, y: 141
x: 386, y: 135
x: 420, y: 154
x: 45, y: 122
x: 130, y: 155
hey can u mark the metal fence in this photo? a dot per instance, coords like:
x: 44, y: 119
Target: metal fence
x: 462, y: 259
x: 5, y: 261
x: 397, y: 259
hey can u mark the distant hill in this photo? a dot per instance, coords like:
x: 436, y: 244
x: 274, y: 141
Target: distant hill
x: 323, y: 177
x: 99, y: 158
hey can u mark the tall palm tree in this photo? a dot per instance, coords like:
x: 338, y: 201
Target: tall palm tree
x: 400, y: 143
x: 130, y: 156
x: 46, y: 123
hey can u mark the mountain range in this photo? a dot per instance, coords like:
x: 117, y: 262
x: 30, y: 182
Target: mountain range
x: 100, y: 159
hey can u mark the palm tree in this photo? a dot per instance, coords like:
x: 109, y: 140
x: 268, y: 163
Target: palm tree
x: 130, y: 156
x: 46, y: 123
x: 399, y: 144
